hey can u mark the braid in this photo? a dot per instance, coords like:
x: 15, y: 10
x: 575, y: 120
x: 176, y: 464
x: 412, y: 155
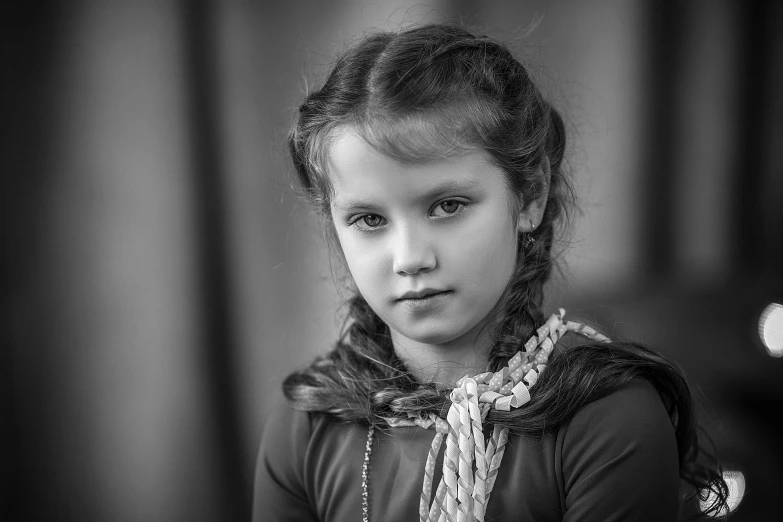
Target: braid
x: 521, y: 306
x: 362, y: 379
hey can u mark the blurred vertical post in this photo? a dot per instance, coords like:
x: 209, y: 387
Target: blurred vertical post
x: 203, y: 82
x: 117, y: 393
x: 663, y: 25
x: 758, y: 165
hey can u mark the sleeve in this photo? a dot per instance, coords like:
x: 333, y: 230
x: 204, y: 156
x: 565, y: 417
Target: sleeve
x: 279, y: 493
x: 619, y: 459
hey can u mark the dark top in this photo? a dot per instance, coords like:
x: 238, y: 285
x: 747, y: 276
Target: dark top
x: 616, y: 459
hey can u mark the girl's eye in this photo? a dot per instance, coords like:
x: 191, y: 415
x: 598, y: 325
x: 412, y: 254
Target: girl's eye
x: 372, y: 220
x: 447, y: 207
x: 368, y: 222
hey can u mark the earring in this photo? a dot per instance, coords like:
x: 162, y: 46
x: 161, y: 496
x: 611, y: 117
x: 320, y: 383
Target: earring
x: 529, y: 239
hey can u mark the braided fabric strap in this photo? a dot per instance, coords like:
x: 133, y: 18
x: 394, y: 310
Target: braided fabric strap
x: 470, y: 464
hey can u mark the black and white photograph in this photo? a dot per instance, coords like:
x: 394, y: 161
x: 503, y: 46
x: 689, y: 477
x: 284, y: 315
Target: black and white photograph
x: 392, y: 261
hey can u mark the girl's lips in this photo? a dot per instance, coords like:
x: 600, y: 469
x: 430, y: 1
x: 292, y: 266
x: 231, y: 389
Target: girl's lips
x: 418, y: 294
x: 425, y: 303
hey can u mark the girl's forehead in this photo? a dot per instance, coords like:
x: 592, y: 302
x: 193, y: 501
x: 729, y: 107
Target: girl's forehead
x: 350, y: 154
x: 358, y: 172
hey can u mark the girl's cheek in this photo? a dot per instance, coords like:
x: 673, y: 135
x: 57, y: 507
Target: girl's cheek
x: 349, y: 250
x: 361, y: 256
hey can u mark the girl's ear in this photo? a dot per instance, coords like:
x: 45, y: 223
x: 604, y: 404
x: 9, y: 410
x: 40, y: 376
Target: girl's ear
x: 533, y: 212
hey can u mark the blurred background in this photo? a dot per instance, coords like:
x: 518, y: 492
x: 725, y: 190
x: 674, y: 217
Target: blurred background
x: 160, y: 278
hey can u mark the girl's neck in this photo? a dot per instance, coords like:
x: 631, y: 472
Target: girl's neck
x: 442, y: 364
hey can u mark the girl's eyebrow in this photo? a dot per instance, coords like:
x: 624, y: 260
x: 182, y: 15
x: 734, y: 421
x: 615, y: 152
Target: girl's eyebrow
x: 449, y: 187
x: 439, y: 190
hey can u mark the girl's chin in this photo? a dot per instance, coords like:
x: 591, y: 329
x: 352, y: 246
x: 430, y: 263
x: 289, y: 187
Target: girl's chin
x: 431, y: 334
x: 432, y: 339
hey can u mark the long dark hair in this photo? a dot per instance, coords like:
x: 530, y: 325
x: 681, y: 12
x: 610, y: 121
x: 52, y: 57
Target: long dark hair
x: 425, y: 93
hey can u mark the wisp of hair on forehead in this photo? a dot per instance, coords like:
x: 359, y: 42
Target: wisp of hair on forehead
x: 425, y: 135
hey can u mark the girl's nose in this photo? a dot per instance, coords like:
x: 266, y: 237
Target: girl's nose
x: 413, y: 253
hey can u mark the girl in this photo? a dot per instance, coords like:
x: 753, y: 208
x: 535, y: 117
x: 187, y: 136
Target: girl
x: 450, y: 395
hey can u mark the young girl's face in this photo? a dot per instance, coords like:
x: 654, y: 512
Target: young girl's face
x: 431, y: 246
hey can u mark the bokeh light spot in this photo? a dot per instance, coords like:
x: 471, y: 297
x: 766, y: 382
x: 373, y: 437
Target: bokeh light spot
x: 771, y: 329
x: 735, y: 481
